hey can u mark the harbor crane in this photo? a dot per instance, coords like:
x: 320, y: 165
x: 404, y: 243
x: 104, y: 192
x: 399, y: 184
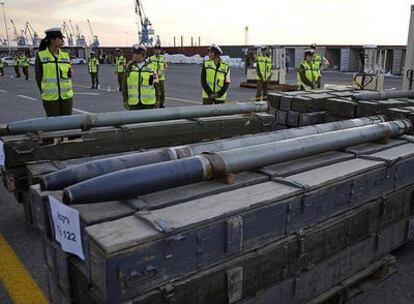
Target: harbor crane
x: 68, y: 33
x: 34, y: 37
x: 146, y: 34
x: 19, y: 38
x: 95, y: 40
x: 80, y: 38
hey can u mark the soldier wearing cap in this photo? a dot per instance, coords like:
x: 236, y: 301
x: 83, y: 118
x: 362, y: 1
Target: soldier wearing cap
x: 24, y: 63
x: 16, y: 63
x: 264, y: 72
x: 308, y: 72
x: 159, y: 66
x: 320, y: 62
x: 93, y: 69
x: 53, y: 71
x: 140, y: 81
x: 120, y: 63
x: 215, y: 77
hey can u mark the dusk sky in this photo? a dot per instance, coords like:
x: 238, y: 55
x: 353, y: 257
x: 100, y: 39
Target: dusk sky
x: 223, y: 22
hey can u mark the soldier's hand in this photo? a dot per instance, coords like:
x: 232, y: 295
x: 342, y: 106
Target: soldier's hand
x: 213, y: 96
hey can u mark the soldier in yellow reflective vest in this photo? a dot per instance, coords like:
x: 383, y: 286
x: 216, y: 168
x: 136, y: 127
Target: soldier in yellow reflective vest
x: 93, y: 69
x: 215, y: 77
x: 120, y: 63
x: 264, y: 72
x: 24, y: 63
x: 159, y: 66
x: 16, y: 63
x: 140, y: 81
x: 307, y: 73
x: 53, y: 72
x: 320, y: 62
x: 1, y: 67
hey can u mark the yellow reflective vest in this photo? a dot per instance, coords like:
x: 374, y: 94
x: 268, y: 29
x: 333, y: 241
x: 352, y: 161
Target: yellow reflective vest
x: 264, y: 66
x: 157, y: 64
x: 16, y: 61
x: 93, y: 65
x: 120, y: 64
x: 216, y: 77
x: 310, y: 74
x: 24, y: 61
x: 55, y: 82
x: 140, y: 85
x: 317, y: 61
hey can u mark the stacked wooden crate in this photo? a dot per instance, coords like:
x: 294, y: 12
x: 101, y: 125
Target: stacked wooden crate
x: 285, y: 232
x: 300, y: 108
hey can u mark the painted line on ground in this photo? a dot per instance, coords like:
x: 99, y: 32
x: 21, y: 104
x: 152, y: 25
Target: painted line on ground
x: 94, y: 94
x: 4, y: 91
x: 183, y: 100
x: 26, y: 97
x: 108, y: 89
x: 81, y: 111
x: 17, y: 281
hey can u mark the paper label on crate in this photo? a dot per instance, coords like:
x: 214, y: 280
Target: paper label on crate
x: 2, y: 155
x: 67, y: 227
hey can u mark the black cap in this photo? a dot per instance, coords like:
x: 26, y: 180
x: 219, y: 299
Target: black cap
x: 54, y: 32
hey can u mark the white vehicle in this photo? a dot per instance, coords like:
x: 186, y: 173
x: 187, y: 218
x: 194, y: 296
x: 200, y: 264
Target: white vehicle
x: 8, y: 61
x: 32, y: 61
x: 76, y: 60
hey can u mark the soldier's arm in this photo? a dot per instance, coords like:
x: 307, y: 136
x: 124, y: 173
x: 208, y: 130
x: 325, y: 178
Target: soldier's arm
x: 38, y: 72
x: 204, y: 83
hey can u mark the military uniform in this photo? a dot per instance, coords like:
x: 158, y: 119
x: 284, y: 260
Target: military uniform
x: 158, y: 65
x: 93, y: 69
x: 264, y: 72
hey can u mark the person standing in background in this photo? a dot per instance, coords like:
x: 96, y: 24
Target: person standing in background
x: 24, y: 63
x: 93, y: 69
x: 215, y: 77
x: 140, y: 81
x: 120, y: 63
x: 264, y: 72
x: 53, y: 72
x: 159, y: 65
x: 16, y: 64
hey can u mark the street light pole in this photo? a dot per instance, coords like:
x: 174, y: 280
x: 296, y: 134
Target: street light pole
x: 5, y: 27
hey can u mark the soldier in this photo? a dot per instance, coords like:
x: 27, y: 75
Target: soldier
x: 93, y: 68
x: 120, y: 62
x: 264, y: 72
x: 308, y: 72
x: 159, y: 66
x: 320, y: 62
x: 140, y: 81
x: 24, y: 63
x: 215, y: 77
x: 53, y: 72
x: 16, y: 64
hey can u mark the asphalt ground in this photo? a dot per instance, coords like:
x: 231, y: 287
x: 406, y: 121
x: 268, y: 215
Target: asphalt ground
x: 20, y: 99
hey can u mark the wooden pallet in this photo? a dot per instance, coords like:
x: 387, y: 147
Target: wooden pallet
x: 358, y: 283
